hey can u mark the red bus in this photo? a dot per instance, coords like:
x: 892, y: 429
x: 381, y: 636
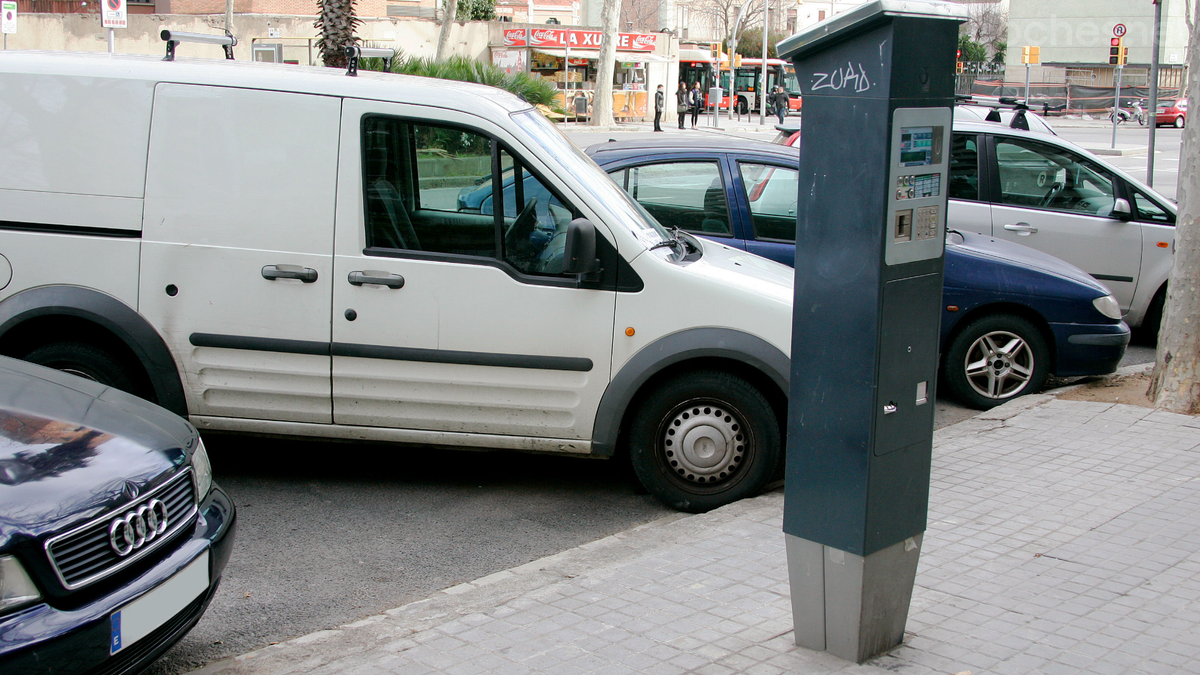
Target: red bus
x: 747, y: 79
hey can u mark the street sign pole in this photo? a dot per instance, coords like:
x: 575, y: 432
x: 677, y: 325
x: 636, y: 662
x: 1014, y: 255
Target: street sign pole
x: 1117, y: 106
x: 1028, y: 66
x: 8, y: 19
x: 1152, y: 110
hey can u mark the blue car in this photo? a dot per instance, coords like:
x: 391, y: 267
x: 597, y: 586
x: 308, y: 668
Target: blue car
x: 1013, y: 316
x: 113, y: 536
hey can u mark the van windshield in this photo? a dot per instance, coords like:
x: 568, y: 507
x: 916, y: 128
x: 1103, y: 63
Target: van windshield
x: 592, y: 177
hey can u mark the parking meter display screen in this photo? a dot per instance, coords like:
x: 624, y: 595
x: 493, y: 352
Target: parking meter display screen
x: 916, y: 146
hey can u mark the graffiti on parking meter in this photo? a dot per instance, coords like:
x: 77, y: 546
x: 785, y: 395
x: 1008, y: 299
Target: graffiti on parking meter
x: 843, y: 78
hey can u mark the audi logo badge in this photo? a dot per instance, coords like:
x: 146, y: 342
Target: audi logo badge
x: 137, y: 528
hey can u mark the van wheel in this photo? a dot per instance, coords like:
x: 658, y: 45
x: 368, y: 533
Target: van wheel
x: 87, y: 361
x: 996, y: 359
x: 704, y: 440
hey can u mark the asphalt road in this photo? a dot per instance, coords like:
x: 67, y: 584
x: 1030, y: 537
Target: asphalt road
x: 330, y: 533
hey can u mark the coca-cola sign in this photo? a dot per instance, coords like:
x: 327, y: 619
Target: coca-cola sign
x: 559, y: 38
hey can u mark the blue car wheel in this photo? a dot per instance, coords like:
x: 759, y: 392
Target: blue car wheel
x: 995, y: 359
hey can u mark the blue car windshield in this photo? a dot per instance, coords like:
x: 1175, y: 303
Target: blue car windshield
x: 592, y: 177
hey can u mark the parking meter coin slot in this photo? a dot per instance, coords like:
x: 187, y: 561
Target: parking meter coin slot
x: 903, y: 229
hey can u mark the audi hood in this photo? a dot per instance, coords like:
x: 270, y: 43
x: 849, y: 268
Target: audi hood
x: 71, y: 449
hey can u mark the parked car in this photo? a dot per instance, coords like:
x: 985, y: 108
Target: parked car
x: 113, y: 535
x: 1172, y: 112
x: 275, y: 250
x: 1012, y: 316
x: 1051, y: 195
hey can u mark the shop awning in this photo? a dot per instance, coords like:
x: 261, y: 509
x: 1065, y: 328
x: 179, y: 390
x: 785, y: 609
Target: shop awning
x: 595, y: 54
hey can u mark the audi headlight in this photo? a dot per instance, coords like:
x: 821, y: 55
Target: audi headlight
x: 1108, y: 306
x: 201, y: 471
x: 16, y: 588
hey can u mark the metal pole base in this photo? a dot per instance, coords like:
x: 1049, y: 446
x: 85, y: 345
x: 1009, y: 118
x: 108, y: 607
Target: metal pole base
x: 851, y: 606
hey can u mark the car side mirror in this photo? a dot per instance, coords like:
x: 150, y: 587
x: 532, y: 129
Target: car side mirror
x: 1121, y: 210
x: 579, y: 255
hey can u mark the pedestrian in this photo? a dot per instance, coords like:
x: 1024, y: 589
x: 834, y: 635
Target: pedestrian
x: 681, y: 102
x: 660, y: 102
x: 781, y: 103
x: 696, y: 102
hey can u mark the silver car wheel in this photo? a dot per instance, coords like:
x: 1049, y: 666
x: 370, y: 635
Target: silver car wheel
x: 704, y: 443
x: 999, y: 365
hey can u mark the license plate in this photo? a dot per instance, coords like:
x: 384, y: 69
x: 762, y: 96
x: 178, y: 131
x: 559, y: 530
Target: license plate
x: 140, y: 617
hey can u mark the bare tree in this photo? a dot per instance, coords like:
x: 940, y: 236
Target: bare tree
x: 602, y: 112
x: 720, y: 16
x: 987, y: 24
x: 1175, y: 384
x: 641, y: 16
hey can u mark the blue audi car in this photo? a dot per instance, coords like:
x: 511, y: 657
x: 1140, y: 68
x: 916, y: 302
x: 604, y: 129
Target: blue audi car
x: 1012, y: 316
x: 113, y: 536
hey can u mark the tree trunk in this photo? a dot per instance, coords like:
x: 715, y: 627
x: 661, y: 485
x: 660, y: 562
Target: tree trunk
x: 443, y: 48
x: 336, y: 24
x: 602, y: 112
x: 1175, y: 385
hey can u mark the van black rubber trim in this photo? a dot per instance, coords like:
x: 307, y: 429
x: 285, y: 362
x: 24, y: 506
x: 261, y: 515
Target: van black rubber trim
x: 571, y: 363
x: 1109, y: 277
x: 48, y: 228
x: 259, y: 344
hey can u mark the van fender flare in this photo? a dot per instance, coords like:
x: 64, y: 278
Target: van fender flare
x: 114, y: 315
x: 671, y: 349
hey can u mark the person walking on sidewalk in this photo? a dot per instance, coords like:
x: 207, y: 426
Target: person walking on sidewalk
x: 660, y: 102
x: 696, y: 102
x: 681, y: 102
x: 782, y: 101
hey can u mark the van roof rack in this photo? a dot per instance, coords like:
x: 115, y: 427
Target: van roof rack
x: 174, y: 37
x: 355, y: 52
x: 1011, y: 102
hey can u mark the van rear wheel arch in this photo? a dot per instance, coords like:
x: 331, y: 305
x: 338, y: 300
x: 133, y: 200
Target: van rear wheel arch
x: 39, y: 318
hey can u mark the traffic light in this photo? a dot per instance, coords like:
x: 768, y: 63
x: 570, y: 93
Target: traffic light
x: 1031, y: 55
x: 958, y: 67
x: 716, y: 50
x: 737, y: 60
x: 1118, y: 54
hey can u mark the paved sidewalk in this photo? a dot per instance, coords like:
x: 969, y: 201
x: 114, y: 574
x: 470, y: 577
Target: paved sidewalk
x: 1064, y: 537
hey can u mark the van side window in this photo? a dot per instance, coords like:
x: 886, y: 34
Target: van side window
x: 964, y: 167
x: 1149, y: 212
x: 430, y: 188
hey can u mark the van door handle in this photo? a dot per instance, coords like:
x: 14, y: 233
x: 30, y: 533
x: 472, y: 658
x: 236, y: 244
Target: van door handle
x: 305, y: 274
x: 389, y: 280
x: 1023, y: 229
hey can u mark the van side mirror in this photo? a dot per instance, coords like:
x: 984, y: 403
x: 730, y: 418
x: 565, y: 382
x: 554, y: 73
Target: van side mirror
x: 1121, y: 210
x: 579, y: 256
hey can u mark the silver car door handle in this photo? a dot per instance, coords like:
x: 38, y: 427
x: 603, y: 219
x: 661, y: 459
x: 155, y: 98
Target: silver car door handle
x: 1021, y: 228
x: 389, y: 280
x: 305, y: 274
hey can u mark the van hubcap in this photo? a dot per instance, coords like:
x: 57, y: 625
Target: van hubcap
x: 704, y: 443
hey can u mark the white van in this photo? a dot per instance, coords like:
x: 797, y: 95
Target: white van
x: 288, y: 250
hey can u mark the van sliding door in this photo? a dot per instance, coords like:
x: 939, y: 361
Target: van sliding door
x: 236, y: 268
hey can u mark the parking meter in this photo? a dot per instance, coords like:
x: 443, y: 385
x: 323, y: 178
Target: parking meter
x: 878, y: 87
x: 714, y: 98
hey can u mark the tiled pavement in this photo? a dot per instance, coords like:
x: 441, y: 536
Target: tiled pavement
x: 1064, y: 537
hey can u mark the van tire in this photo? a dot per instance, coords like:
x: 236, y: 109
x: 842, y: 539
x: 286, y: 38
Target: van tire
x: 704, y: 440
x: 87, y: 361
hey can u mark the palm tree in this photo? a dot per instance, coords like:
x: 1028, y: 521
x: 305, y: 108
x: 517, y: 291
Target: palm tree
x: 336, y: 24
x: 465, y: 69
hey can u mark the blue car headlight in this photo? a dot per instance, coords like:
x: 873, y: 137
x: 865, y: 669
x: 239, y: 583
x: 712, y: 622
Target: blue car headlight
x: 16, y: 588
x: 1108, y: 306
x: 201, y: 471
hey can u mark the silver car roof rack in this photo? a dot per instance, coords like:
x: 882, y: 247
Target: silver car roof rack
x: 355, y: 52
x: 174, y: 37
